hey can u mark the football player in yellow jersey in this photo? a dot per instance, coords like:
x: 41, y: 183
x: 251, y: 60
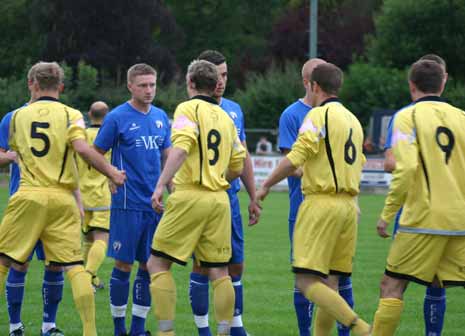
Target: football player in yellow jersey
x: 96, y: 198
x: 329, y: 151
x: 206, y: 154
x: 429, y: 150
x: 45, y: 136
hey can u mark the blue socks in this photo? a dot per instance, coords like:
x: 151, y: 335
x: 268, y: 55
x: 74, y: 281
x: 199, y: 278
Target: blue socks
x: 198, y: 294
x: 237, y: 328
x: 345, y: 290
x: 434, y: 309
x: 141, y: 301
x: 52, y: 293
x: 14, y: 294
x: 304, y: 312
x: 119, y: 294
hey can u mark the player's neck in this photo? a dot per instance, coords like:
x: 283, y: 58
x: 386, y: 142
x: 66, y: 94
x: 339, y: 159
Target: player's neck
x: 46, y: 93
x: 418, y: 95
x: 322, y: 98
x: 306, y: 100
x: 141, y: 107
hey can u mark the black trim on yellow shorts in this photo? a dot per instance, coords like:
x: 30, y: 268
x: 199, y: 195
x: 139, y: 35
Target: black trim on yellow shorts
x: 452, y: 283
x: 95, y: 228
x: 64, y: 264
x: 407, y: 277
x: 12, y: 259
x: 344, y: 274
x: 167, y: 256
x: 213, y: 264
x: 299, y: 270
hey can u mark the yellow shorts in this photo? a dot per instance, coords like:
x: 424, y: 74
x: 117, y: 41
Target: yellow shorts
x: 96, y: 220
x: 48, y: 214
x: 325, y: 235
x: 195, y: 221
x: 421, y: 257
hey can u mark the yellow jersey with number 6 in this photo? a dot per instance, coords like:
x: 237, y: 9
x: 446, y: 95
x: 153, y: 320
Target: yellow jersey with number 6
x: 329, y: 149
x: 41, y: 134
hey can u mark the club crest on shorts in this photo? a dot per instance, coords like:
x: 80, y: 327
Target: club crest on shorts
x: 117, y: 246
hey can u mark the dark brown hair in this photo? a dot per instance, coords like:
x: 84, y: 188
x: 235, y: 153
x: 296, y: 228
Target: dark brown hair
x: 427, y: 76
x: 329, y: 77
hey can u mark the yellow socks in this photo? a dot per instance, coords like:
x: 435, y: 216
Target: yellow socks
x: 86, y: 245
x: 387, y: 317
x: 163, y: 291
x: 3, y: 276
x: 83, y: 296
x: 96, y: 256
x: 223, y: 297
x: 334, y: 305
x: 324, y: 323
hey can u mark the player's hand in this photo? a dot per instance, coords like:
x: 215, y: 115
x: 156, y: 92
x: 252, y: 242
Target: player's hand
x: 382, y: 228
x: 12, y: 156
x: 118, y: 177
x: 157, y: 199
x: 261, y: 195
x: 112, y: 186
x: 254, y: 212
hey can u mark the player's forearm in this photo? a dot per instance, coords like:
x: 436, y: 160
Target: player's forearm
x: 283, y: 170
x: 389, y: 161
x: 247, y: 176
x: 94, y: 158
x: 175, y: 159
x: 395, y: 199
x: 5, y: 158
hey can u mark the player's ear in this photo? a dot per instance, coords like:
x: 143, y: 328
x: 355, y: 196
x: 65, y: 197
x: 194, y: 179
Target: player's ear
x: 61, y: 87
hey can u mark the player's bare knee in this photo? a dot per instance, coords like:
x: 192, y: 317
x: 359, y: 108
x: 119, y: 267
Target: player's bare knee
x: 215, y: 273
x: 392, y: 287
x: 156, y: 264
x: 236, y: 269
x: 17, y: 267
x: 199, y: 269
x: 303, y: 281
x: 54, y: 268
x: 100, y: 235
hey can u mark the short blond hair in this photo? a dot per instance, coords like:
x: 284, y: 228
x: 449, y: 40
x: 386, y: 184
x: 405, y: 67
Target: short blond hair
x: 140, y: 69
x: 49, y: 75
x: 204, y: 75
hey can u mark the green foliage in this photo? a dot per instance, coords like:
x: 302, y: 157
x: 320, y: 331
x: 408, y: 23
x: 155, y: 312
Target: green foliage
x: 370, y: 87
x: 13, y: 93
x: 408, y: 29
x: 169, y: 96
x: 266, y: 95
x: 455, y: 94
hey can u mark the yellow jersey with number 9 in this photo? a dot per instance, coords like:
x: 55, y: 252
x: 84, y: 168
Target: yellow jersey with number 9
x: 41, y: 134
x: 329, y: 149
x: 209, y: 136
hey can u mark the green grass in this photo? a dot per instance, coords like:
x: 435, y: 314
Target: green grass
x: 268, y: 282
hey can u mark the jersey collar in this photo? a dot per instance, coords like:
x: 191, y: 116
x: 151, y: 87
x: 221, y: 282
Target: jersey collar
x: 330, y: 100
x: 430, y: 98
x: 206, y: 98
x: 47, y: 98
x: 95, y: 126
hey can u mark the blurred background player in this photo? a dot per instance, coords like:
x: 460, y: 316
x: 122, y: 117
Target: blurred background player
x: 96, y: 198
x: 329, y: 150
x: 429, y: 152
x: 198, y: 289
x: 138, y: 135
x: 434, y: 306
x: 52, y: 286
x: 206, y: 154
x: 45, y: 135
x: 289, y: 124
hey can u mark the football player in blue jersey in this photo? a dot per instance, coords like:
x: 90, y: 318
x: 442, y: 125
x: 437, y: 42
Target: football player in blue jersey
x: 289, y: 123
x: 138, y: 135
x: 52, y: 286
x: 198, y: 289
x: 434, y: 306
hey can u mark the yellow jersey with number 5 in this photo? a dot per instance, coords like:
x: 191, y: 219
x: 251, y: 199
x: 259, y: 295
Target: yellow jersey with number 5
x: 428, y: 143
x: 329, y: 149
x: 41, y: 134
x: 209, y: 136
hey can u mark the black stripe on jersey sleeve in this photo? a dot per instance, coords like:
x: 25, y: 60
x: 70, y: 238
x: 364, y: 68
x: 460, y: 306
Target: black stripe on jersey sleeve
x: 422, y: 161
x: 200, y: 145
x: 65, y: 156
x: 329, y: 151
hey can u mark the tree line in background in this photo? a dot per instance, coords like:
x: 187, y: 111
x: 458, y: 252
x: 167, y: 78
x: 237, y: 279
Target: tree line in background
x: 265, y: 42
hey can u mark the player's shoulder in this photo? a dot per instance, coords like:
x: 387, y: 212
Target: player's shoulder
x: 296, y: 108
x: 231, y: 107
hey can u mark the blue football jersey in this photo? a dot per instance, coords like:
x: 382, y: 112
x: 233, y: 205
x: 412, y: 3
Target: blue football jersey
x: 289, y: 123
x: 137, y: 141
x: 388, y: 143
x: 235, y: 112
x: 14, y: 168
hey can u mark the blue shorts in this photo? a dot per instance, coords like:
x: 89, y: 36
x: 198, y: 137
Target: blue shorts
x: 291, y: 234
x: 131, y: 234
x: 237, y: 233
x: 396, y: 222
x: 39, y: 251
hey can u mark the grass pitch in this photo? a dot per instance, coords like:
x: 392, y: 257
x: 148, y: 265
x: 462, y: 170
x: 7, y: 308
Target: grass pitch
x: 268, y: 283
